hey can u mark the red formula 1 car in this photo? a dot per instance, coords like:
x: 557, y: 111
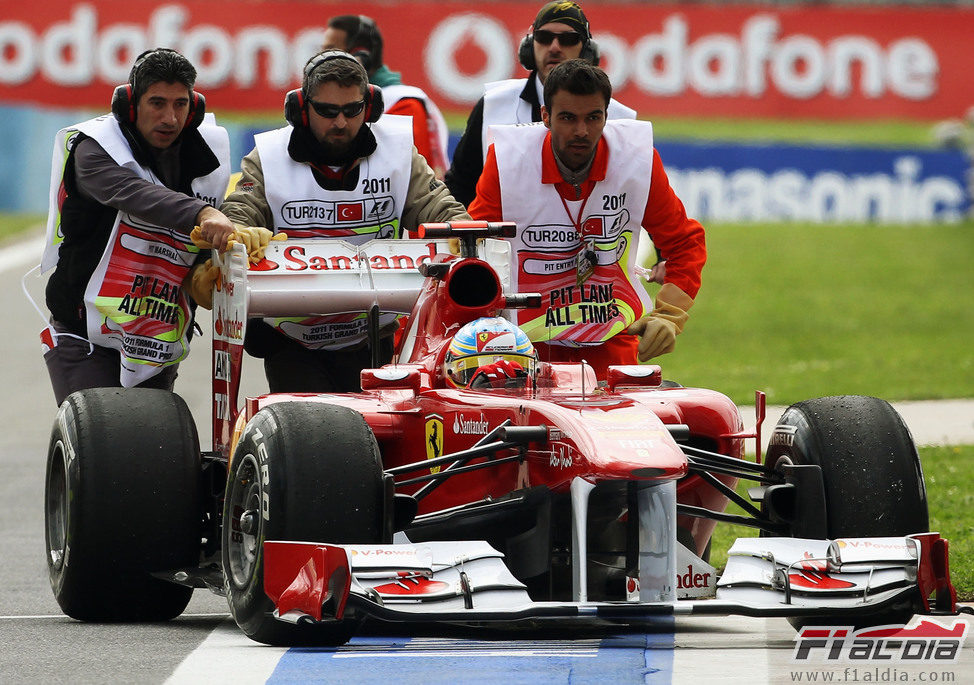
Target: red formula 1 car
x: 561, y: 499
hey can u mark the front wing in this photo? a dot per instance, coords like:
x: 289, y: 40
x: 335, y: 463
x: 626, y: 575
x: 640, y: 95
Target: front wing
x: 468, y: 582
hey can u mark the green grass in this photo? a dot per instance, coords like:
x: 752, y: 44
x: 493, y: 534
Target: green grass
x: 802, y: 311
x: 883, y: 133
x: 11, y: 225
x: 949, y: 473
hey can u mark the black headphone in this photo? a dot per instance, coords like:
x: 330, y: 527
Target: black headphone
x: 525, y: 51
x: 295, y: 102
x: 363, y: 44
x: 124, y: 101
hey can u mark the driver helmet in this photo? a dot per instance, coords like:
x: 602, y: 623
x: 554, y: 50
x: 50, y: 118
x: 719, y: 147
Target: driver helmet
x: 486, y: 341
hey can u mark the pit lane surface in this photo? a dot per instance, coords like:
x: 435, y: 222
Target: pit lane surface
x: 40, y: 645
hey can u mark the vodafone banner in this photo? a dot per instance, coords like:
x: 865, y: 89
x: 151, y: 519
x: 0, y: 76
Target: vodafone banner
x: 662, y: 59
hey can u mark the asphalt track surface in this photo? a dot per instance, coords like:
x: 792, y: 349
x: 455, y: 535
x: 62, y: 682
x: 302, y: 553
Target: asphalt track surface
x: 40, y: 645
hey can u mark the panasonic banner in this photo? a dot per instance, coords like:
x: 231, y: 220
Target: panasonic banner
x: 731, y: 182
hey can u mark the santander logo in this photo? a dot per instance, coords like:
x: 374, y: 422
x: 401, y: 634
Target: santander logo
x: 465, y: 426
x: 693, y: 579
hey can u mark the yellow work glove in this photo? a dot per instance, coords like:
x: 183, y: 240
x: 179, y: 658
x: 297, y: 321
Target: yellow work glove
x: 199, y: 283
x: 657, y: 330
x: 255, y: 239
x: 196, y: 235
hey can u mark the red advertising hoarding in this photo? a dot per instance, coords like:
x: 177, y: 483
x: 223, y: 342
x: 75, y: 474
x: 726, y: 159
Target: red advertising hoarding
x: 672, y: 60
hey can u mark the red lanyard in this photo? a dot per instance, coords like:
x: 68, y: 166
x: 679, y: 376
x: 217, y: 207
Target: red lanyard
x: 576, y: 221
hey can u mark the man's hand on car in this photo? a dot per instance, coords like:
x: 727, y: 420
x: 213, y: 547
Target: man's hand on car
x: 212, y: 228
x: 255, y: 239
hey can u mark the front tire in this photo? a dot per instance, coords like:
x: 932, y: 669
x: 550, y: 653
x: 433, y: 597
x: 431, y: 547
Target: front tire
x: 870, y: 467
x: 122, y: 501
x: 306, y: 472
x: 873, y: 483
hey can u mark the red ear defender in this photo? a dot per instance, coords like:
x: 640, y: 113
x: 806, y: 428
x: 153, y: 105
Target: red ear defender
x: 197, y: 108
x: 295, y: 112
x: 123, y: 105
x: 374, y: 105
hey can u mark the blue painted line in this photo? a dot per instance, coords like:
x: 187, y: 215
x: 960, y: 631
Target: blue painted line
x: 618, y: 659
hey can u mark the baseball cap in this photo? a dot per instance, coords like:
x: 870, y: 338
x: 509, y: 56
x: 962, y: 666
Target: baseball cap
x: 566, y: 12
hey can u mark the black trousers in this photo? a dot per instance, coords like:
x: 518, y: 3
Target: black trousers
x: 74, y: 364
x: 291, y: 367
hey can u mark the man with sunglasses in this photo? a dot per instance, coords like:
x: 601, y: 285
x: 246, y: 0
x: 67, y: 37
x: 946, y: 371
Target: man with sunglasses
x: 584, y: 192
x: 560, y: 32
x: 359, y: 35
x: 337, y: 171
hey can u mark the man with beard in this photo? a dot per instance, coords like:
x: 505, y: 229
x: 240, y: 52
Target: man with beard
x: 335, y: 152
x: 582, y: 191
x: 359, y: 35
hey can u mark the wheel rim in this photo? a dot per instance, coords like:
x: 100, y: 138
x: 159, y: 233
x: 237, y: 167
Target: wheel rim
x: 242, y: 543
x: 56, y: 508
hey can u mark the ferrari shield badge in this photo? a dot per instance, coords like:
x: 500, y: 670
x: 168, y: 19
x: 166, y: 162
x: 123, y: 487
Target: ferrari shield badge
x: 434, y: 439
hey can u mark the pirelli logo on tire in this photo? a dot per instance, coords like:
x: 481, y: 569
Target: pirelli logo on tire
x: 783, y: 436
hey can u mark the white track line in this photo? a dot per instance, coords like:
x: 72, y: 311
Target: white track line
x: 24, y: 254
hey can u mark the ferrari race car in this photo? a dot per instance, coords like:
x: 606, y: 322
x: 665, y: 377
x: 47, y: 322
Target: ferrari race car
x: 561, y: 499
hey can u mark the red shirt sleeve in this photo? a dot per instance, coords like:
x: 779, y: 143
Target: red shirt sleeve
x: 486, y: 206
x: 680, y: 239
x: 411, y: 107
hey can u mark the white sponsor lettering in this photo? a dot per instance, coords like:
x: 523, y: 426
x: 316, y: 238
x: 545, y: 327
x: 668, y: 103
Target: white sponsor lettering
x: 667, y: 63
x: 81, y: 50
x: 757, y: 59
x: 783, y: 435
x: 561, y: 457
x: 221, y: 402
x: 465, y: 426
x: 828, y: 196
x: 449, y: 35
x: 221, y: 365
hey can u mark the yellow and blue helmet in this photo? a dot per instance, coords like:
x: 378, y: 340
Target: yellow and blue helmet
x: 485, y: 341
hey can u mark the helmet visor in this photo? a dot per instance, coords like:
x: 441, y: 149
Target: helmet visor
x: 460, y: 371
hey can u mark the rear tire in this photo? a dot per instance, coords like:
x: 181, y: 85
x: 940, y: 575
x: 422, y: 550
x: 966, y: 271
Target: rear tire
x: 314, y: 471
x: 122, y: 500
x: 873, y: 483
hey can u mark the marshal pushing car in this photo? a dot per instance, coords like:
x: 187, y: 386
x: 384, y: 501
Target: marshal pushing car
x: 471, y: 482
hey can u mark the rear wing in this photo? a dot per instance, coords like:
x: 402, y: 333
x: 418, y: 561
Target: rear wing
x: 313, y: 277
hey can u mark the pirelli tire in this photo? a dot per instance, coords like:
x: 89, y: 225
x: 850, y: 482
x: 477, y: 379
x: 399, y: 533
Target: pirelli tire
x: 122, y: 503
x: 870, y: 472
x: 302, y: 471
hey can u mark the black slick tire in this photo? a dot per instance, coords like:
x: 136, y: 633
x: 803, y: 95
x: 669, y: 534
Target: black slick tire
x: 306, y: 472
x: 871, y: 476
x: 122, y: 501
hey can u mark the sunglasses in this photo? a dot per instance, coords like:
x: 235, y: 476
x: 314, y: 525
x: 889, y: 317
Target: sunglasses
x: 330, y: 111
x: 566, y: 40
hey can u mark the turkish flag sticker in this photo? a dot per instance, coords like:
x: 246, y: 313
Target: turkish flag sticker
x: 350, y: 211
